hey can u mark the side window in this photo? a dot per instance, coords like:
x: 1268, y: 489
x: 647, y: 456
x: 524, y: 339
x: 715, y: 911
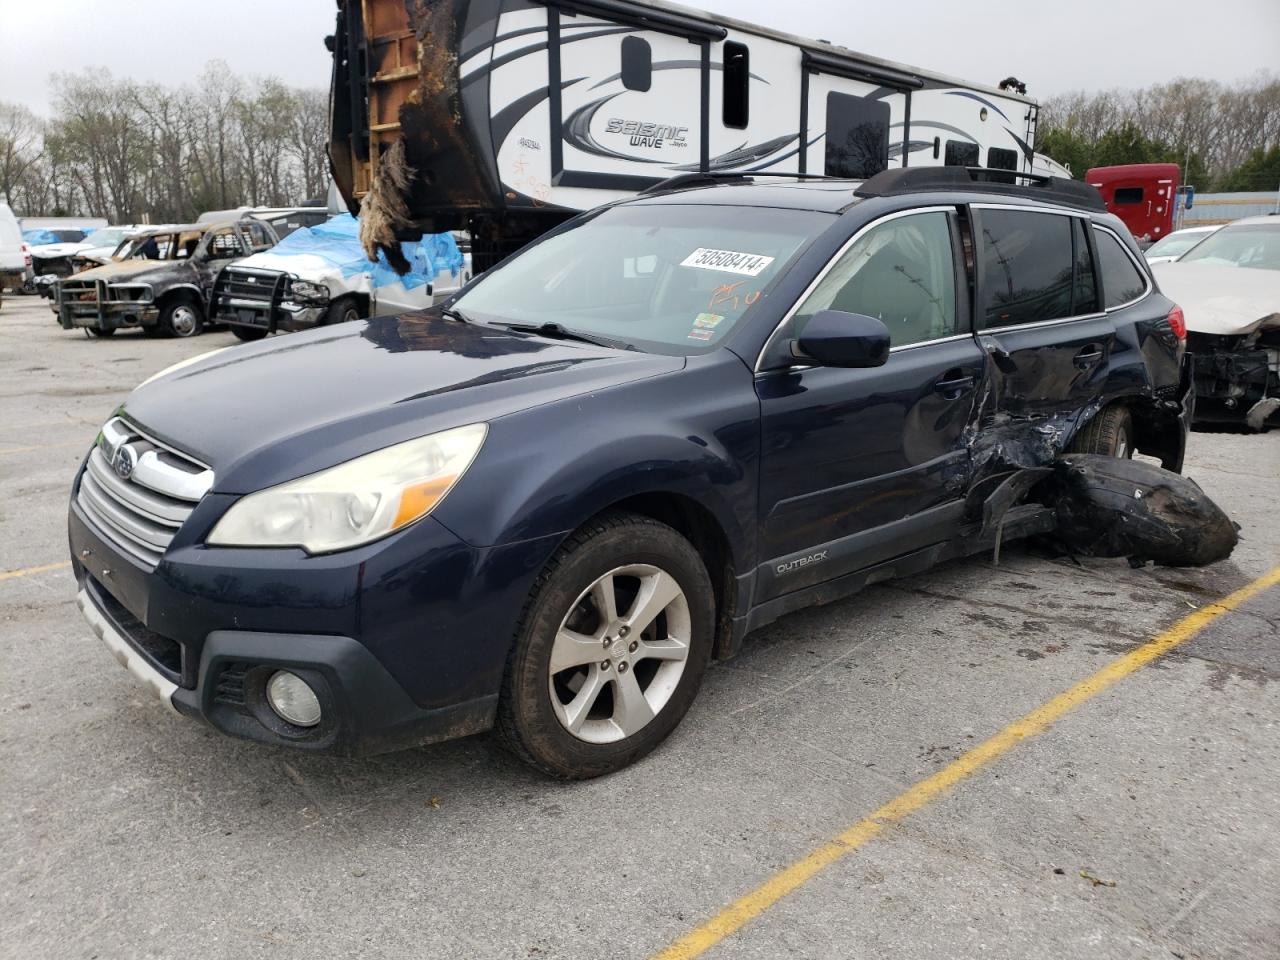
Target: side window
x: 962, y: 154
x: 737, y: 85
x: 1026, y: 267
x: 901, y: 272
x: 224, y: 244
x: 1000, y: 159
x: 857, y: 136
x: 1084, y: 296
x: 1122, y: 281
x: 637, y: 64
x: 259, y: 239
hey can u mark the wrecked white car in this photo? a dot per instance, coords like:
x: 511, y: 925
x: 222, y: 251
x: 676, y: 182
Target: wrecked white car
x: 320, y: 275
x: 1229, y: 288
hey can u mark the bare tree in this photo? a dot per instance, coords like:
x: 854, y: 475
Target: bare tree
x: 20, y: 146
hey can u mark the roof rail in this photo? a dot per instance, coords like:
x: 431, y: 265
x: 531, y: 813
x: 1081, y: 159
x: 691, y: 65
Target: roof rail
x: 904, y: 180
x: 709, y: 177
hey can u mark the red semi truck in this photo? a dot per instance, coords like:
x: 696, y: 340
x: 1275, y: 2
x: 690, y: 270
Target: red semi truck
x: 1143, y: 195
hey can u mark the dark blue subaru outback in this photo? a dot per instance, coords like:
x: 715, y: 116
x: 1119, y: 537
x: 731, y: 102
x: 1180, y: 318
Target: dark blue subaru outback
x: 548, y: 504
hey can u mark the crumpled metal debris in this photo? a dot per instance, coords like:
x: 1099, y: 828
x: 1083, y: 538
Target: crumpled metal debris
x: 1111, y: 507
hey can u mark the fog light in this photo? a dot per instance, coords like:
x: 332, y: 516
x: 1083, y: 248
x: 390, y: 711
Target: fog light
x: 293, y: 699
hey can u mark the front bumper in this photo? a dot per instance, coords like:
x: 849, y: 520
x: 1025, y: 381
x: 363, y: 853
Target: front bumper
x: 287, y: 316
x: 105, y: 315
x: 404, y: 641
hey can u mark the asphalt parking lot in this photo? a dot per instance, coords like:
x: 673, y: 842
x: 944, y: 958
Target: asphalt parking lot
x: 1145, y: 822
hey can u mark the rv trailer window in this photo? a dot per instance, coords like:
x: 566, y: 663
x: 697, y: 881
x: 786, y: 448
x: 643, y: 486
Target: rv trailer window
x: 1121, y: 280
x: 637, y: 64
x: 857, y: 136
x: 1000, y: 159
x: 1128, y: 195
x: 737, y: 79
x: 1026, y: 268
x: 962, y: 154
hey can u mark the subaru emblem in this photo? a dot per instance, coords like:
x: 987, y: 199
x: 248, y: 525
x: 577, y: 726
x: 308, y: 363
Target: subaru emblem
x: 125, y: 462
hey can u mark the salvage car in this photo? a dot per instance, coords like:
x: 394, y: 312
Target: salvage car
x: 55, y: 261
x: 1170, y: 248
x: 158, y: 280
x: 321, y: 275
x: 1229, y: 287
x: 548, y: 503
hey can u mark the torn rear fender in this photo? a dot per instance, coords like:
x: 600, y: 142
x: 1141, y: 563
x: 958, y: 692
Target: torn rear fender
x: 1111, y: 507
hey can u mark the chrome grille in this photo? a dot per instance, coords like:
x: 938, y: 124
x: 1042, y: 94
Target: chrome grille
x: 138, y: 492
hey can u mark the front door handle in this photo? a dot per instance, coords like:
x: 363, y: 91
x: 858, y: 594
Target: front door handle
x: 954, y: 384
x: 1089, y: 355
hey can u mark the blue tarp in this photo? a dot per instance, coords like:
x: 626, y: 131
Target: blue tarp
x: 338, y: 242
x: 40, y: 237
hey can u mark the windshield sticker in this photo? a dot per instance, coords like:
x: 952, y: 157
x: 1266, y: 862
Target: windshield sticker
x: 707, y: 321
x: 728, y: 261
x: 696, y: 334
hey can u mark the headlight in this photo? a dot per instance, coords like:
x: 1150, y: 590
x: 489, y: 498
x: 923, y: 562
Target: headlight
x: 309, y: 291
x: 179, y: 365
x: 354, y: 502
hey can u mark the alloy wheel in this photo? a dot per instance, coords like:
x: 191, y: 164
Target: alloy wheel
x: 619, y: 653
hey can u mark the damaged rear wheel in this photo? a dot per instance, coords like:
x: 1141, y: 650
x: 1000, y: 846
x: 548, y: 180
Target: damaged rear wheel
x: 1109, y: 434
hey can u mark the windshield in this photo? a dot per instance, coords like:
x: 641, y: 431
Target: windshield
x: 1253, y: 245
x: 105, y: 238
x: 167, y: 246
x: 1175, y: 244
x: 667, y: 278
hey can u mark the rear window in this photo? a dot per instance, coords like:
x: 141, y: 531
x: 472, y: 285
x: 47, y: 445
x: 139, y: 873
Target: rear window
x: 1122, y: 281
x: 1027, y: 267
x: 857, y: 136
x: 1128, y: 195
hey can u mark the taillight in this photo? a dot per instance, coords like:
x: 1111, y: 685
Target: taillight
x: 26, y: 255
x: 1178, y: 322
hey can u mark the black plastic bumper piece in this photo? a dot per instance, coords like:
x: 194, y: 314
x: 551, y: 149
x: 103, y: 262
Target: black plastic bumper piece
x: 364, y: 710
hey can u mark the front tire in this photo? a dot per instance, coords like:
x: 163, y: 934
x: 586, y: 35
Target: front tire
x: 1110, y: 434
x: 182, y: 319
x: 610, y: 651
x: 343, y: 310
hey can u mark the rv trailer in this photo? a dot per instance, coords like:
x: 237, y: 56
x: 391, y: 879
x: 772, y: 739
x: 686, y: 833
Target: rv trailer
x: 506, y: 117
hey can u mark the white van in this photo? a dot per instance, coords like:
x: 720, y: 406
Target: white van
x: 15, y: 261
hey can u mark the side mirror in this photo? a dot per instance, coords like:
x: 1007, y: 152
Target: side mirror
x: 834, y: 338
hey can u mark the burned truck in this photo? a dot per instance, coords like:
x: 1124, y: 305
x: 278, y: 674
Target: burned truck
x: 159, y: 279
x: 506, y: 117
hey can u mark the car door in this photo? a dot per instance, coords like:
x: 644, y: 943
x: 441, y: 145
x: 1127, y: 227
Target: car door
x: 862, y: 465
x: 1037, y: 312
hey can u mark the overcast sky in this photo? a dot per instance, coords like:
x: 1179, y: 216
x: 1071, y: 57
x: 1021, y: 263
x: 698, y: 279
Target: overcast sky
x: 1053, y: 47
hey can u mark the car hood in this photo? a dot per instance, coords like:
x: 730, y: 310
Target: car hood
x: 267, y: 412
x: 310, y: 267
x: 122, y: 270
x: 1224, y: 301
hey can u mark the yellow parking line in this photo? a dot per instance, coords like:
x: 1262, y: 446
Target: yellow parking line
x: 29, y: 571
x: 738, y: 914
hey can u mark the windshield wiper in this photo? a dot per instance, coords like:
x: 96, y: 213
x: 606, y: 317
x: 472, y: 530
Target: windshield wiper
x: 555, y: 331
x: 451, y: 313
